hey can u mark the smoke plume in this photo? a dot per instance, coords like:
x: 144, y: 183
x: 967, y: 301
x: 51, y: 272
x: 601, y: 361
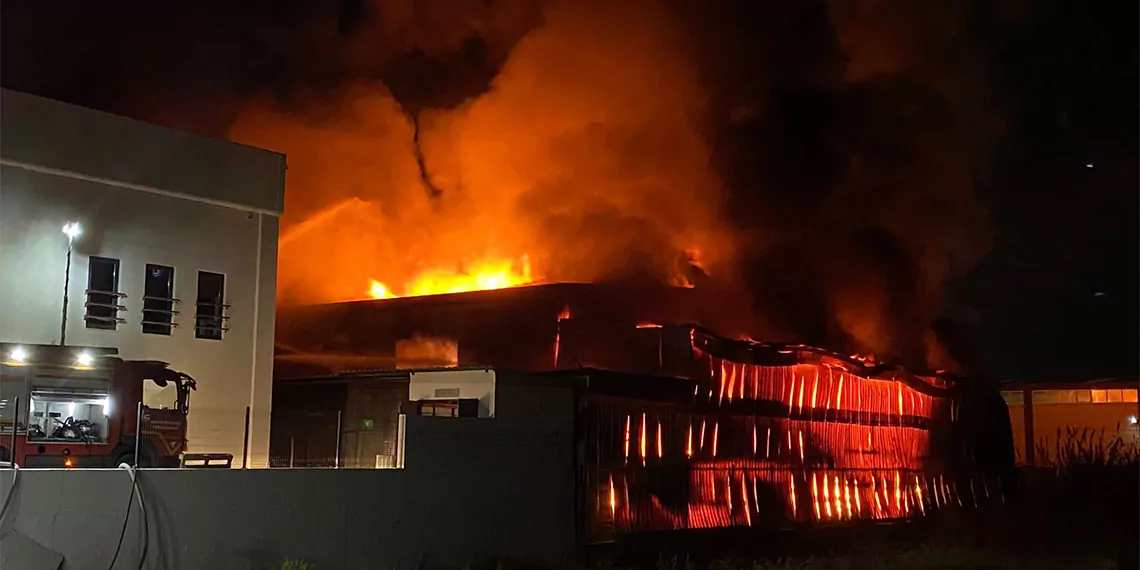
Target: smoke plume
x: 583, y: 160
x: 823, y: 153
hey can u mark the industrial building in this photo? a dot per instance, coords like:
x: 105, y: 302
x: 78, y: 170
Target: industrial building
x: 670, y: 427
x: 161, y: 244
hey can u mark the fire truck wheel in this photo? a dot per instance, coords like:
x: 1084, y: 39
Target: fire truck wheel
x: 5, y: 455
x: 125, y: 461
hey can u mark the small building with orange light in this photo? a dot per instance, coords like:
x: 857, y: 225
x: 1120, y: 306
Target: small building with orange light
x: 1053, y: 420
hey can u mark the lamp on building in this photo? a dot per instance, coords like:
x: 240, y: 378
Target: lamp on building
x: 72, y: 231
x: 18, y: 355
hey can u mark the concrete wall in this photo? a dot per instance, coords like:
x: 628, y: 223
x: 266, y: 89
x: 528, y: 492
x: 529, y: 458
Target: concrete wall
x: 472, y: 488
x: 144, y: 194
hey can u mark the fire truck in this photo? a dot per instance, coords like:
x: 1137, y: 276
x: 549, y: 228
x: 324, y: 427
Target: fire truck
x: 68, y: 406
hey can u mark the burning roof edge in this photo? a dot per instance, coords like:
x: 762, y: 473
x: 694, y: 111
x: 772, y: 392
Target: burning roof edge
x: 763, y: 353
x: 291, y: 364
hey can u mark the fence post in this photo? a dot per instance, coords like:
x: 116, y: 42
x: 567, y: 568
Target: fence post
x: 138, y: 431
x: 401, y: 430
x: 336, y: 461
x: 15, y: 425
x: 1027, y: 408
x: 245, y: 442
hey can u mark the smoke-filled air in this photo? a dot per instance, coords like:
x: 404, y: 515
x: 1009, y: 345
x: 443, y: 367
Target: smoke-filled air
x: 460, y: 145
x: 584, y: 160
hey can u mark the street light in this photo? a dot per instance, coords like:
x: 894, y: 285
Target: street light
x: 19, y: 355
x: 72, y: 231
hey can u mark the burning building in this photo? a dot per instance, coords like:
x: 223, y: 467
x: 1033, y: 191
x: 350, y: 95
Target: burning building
x: 676, y: 426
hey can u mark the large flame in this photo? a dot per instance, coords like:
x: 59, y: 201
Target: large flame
x: 484, y: 275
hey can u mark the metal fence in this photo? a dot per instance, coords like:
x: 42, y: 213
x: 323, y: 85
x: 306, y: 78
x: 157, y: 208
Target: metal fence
x: 309, y: 439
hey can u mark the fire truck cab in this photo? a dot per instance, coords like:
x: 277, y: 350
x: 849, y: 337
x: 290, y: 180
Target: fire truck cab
x: 68, y: 406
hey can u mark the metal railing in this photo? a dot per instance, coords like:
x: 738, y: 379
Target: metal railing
x: 112, y: 308
x: 213, y: 319
x: 150, y: 312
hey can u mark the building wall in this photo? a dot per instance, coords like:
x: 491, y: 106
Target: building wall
x: 57, y: 137
x: 144, y: 194
x: 472, y: 488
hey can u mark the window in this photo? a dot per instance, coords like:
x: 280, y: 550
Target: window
x: 103, y: 294
x: 1013, y: 397
x: 158, y: 300
x: 210, y: 317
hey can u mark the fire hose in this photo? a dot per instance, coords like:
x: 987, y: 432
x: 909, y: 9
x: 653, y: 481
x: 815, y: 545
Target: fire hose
x: 135, y: 492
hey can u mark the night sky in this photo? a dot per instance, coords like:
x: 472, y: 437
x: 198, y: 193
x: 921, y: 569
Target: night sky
x: 1032, y: 104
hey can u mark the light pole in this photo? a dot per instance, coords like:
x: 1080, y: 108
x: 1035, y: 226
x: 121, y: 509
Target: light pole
x: 72, y: 231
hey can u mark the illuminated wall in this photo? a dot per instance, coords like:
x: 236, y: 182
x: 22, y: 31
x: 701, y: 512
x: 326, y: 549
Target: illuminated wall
x: 1063, y: 415
x: 144, y: 194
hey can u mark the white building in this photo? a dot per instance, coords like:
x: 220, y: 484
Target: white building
x: 186, y: 221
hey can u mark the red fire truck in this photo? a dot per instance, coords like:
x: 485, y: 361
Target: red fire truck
x: 68, y: 406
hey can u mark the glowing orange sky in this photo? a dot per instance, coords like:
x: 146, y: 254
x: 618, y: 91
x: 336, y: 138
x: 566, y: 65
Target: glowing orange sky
x: 585, y: 158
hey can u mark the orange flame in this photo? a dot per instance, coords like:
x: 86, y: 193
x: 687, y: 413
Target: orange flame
x: 815, y: 495
x: 613, y: 499
x: 660, y: 447
x: 528, y: 166
x: 838, y: 501
x: 826, y: 496
x: 792, y: 493
x: 641, y: 441
x: 484, y: 275
x: 918, y: 494
x: 626, y: 446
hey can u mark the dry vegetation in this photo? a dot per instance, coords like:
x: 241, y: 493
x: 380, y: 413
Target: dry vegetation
x: 1082, y: 511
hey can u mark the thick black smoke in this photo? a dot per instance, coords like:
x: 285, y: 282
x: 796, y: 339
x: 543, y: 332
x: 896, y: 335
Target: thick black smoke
x: 850, y: 135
